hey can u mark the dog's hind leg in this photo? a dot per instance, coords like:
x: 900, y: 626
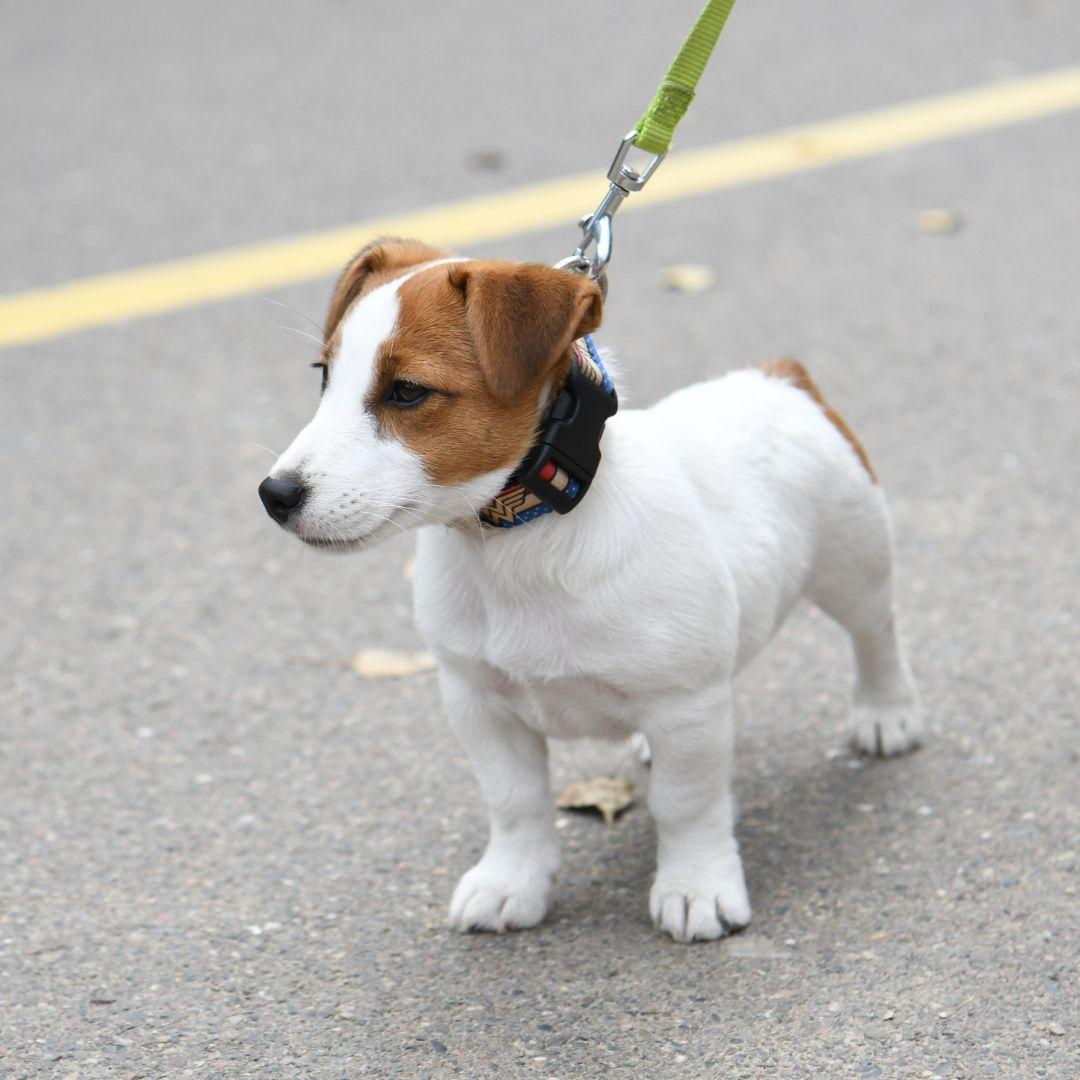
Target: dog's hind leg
x: 852, y: 581
x: 886, y: 716
x: 855, y: 588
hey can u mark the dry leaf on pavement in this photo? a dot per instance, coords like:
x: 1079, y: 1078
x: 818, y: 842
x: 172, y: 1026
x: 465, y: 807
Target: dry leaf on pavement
x: 610, y: 795
x: 939, y: 221
x: 390, y: 663
x: 687, y: 277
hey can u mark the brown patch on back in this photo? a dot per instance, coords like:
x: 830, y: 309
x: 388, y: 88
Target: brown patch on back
x: 486, y: 337
x: 381, y: 261
x: 795, y: 373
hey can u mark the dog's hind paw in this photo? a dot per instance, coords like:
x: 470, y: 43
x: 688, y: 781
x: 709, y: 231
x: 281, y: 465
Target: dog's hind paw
x: 887, y: 729
x: 640, y: 746
x: 489, y: 898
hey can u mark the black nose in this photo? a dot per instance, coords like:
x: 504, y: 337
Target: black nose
x: 281, y: 495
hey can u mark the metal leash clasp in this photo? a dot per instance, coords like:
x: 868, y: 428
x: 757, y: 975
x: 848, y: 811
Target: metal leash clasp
x: 596, y: 227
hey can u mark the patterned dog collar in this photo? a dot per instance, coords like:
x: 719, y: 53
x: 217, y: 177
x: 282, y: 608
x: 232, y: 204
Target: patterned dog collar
x: 559, y: 468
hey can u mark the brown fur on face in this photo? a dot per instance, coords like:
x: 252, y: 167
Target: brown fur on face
x: 381, y: 261
x: 488, y: 338
x: 795, y: 373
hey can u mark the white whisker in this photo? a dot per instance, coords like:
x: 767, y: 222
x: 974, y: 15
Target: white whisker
x: 301, y: 333
x: 259, y: 446
x: 306, y: 318
x: 474, y: 517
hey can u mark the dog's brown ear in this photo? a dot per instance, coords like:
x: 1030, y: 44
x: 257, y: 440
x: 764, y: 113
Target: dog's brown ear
x: 523, y: 317
x: 378, y: 262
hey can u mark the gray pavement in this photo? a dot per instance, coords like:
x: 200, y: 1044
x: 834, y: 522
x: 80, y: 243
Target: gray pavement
x: 222, y: 853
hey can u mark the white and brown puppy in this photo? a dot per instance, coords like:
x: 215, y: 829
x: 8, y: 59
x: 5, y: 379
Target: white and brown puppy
x: 711, y: 515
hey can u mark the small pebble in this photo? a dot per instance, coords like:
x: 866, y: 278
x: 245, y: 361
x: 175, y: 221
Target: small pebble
x: 486, y: 159
x: 1050, y: 1027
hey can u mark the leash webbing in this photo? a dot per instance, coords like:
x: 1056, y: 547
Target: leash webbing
x: 656, y: 128
x: 652, y: 137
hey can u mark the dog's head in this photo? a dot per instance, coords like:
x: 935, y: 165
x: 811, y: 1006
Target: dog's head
x: 436, y: 372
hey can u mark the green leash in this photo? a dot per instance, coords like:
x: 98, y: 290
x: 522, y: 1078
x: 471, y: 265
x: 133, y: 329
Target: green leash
x: 652, y: 135
x: 656, y: 128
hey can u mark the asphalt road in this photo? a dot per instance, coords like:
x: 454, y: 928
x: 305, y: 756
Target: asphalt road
x: 223, y: 853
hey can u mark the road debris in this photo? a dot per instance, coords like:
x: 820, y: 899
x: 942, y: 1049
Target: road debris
x: 608, y: 795
x: 938, y: 222
x: 390, y: 663
x: 687, y: 277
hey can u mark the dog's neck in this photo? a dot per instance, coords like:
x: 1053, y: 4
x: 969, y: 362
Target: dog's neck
x: 556, y: 473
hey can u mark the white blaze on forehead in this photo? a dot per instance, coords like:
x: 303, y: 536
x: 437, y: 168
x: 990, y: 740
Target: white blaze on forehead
x: 364, y: 328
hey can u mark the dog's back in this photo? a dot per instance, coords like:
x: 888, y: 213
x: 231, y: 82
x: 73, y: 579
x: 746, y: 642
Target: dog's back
x: 785, y: 491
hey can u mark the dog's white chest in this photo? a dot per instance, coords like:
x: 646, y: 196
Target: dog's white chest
x: 547, y: 661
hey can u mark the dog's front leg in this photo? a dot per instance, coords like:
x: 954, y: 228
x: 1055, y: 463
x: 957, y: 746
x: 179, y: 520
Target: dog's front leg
x: 509, y: 888
x: 699, y: 892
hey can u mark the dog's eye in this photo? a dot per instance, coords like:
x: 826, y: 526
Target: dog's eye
x: 404, y: 393
x: 325, y: 374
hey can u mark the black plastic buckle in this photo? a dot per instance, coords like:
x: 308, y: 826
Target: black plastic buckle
x: 569, y: 437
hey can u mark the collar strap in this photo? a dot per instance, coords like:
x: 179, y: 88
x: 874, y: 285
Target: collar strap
x: 559, y: 468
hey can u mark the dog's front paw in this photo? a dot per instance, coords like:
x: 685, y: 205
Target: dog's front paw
x: 887, y: 729
x: 501, y: 897
x: 701, y: 906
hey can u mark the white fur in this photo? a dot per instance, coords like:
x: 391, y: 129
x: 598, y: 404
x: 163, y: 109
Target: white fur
x: 712, y: 514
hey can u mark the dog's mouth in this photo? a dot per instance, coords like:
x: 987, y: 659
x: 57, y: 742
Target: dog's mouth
x: 344, y: 544
x: 338, y: 546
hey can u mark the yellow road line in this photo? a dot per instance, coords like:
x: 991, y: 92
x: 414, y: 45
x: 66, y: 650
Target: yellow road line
x: 40, y: 314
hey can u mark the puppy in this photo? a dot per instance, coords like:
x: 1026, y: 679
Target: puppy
x: 710, y: 515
